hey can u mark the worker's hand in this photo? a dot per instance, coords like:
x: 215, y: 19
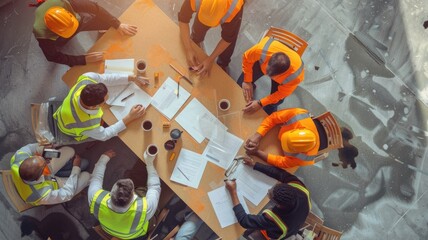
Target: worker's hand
x: 253, y: 141
x: 249, y: 161
x: 251, y: 106
x: 247, y: 89
x: 94, y: 57
x: 204, y: 69
x: 192, y: 60
x: 231, y: 185
x: 136, y: 111
x: 76, y: 160
x: 110, y: 153
x: 126, y: 29
x: 139, y: 80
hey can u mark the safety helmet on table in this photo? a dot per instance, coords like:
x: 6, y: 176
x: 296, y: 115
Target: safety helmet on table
x: 298, y: 140
x: 61, y: 21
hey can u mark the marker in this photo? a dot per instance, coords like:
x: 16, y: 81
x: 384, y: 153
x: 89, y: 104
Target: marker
x: 172, y: 156
x: 130, y: 95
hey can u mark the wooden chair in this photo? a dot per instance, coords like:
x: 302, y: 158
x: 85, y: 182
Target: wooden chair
x: 13, y: 194
x: 288, y: 38
x: 313, y: 223
x: 330, y: 134
x: 327, y: 233
x: 160, y: 219
x: 105, y: 236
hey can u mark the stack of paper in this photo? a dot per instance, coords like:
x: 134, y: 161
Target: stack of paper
x: 189, y: 168
x: 223, y: 206
x: 169, y: 98
x: 222, y: 152
x: 121, y: 105
x: 205, y: 121
x: 119, y: 66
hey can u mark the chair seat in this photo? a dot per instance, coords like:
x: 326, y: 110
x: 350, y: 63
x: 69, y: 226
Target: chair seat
x: 19, y: 204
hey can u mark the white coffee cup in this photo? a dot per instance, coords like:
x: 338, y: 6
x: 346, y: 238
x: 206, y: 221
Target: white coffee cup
x: 141, y: 66
x: 147, y: 125
x: 151, y: 152
x: 224, y: 104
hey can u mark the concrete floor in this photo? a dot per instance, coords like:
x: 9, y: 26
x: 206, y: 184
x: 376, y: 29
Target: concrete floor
x: 373, y: 75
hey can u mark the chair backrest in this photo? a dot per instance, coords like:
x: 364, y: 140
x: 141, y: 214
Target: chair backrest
x: 288, y: 38
x: 332, y: 131
x: 313, y: 223
x: 327, y: 233
x: 13, y: 194
x: 39, y: 123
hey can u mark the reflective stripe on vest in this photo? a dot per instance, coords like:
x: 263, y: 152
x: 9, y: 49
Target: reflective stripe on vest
x: 75, y: 127
x: 278, y: 222
x: 290, y: 77
x: 296, y: 118
x: 303, y: 189
x: 109, y: 218
x: 29, y: 193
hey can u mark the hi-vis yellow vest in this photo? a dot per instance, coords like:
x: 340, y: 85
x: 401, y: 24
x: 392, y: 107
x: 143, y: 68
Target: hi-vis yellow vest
x: 40, y: 29
x: 128, y: 225
x: 214, y: 12
x: 29, y: 193
x: 72, y: 120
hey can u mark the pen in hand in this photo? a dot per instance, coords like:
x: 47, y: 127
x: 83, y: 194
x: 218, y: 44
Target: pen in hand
x: 130, y: 95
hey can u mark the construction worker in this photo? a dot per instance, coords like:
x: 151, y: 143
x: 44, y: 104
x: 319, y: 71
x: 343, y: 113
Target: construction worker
x: 292, y: 205
x: 282, y: 64
x: 57, y: 21
x: 298, y: 135
x: 35, y: 177
x: 121, y: 212
x: 210, y: 13
x: 80, y: 114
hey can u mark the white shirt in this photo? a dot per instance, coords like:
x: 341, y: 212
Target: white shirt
x: 101, y: 133
x: 64, y: 193
x: 153, y: 185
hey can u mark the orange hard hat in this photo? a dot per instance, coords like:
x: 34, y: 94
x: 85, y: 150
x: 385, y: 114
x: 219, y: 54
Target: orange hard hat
x: 211, y: 12
x: 61, y: 21
x: 298, y: 140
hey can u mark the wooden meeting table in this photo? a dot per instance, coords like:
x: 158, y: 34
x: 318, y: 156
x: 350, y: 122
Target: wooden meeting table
x: 158, y: 42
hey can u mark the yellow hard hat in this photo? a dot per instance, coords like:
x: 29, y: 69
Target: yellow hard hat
x: 61, y: 21
x: 298, y: 140
x: 211, y: 12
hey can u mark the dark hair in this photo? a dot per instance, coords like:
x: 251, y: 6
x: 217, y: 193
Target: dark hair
x: 122, y: 192
x: 93, y: 94
x: 278, y: 63
x: 284, y: 195
x: 30, y: 170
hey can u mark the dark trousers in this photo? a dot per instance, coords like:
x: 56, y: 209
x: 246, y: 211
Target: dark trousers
x: 199, y: 30
x: 257, y: 74
x: 66, y: 170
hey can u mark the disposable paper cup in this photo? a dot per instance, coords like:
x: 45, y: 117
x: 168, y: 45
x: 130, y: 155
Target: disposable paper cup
x: 224, y: 104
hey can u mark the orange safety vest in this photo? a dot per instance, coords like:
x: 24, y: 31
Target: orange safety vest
x: 215, y: 12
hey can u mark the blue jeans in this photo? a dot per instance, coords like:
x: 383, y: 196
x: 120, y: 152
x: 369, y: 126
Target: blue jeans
x: 66, y: 170
x: 190, y: 227
x: 257, y: 74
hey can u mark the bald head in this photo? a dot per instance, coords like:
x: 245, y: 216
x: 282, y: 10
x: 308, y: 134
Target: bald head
x: 32, y: 168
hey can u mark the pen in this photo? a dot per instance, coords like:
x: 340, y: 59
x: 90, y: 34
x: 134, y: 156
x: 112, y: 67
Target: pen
x: 183, y: 173
x: 130, y: 95
x: 178, y: 88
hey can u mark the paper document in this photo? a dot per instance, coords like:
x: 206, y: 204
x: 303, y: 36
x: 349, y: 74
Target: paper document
x: 253, y: 184
x: 168, y: 99
x: 196, y: 111
x: 221, y: 153
x: 223, y: 206
x: 131, y: 96
x: 119, y: 66
x: 189, y: 168
x: 113, y: 94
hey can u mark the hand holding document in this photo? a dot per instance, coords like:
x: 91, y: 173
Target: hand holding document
x: 189, y: 168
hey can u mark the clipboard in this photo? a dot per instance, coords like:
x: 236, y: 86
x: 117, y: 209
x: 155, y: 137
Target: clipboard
x: 231, y: 169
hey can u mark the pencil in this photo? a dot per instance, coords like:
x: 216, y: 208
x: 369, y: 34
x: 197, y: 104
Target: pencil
x: 178, y: 88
